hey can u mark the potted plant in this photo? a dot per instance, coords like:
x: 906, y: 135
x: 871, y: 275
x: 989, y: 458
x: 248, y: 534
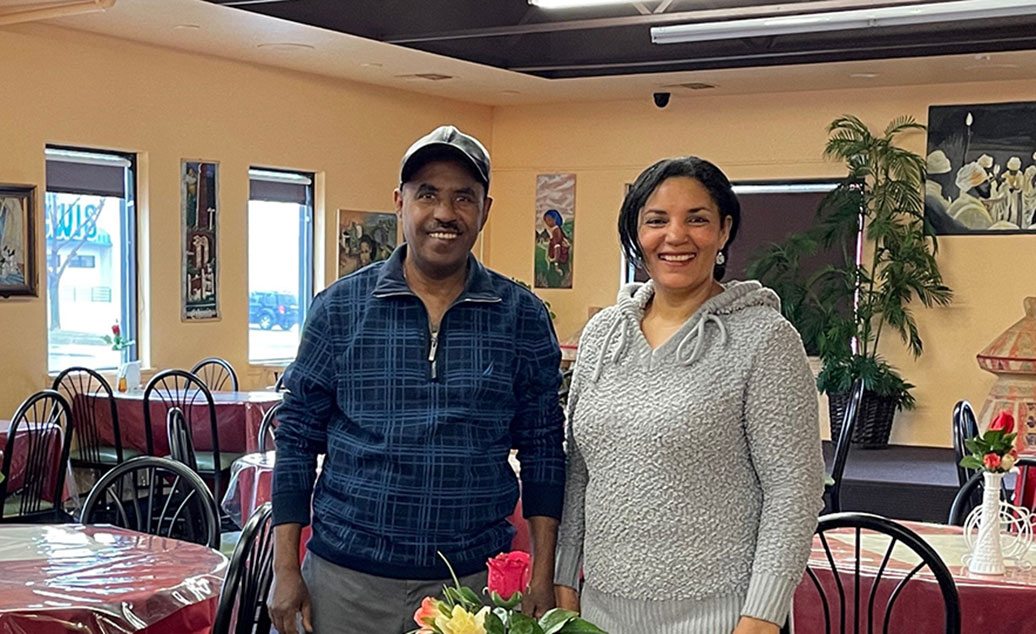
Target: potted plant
x: 843, y: 311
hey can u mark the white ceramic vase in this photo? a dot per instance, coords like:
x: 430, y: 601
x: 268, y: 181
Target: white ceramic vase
x: 987, y: 557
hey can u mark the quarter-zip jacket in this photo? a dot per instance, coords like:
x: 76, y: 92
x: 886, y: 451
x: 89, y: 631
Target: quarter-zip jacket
x: 417, y: 425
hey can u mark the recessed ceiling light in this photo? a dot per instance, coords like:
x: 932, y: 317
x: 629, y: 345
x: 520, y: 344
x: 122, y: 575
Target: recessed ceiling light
x: 371, y: 65
x: 982, y: 57
x: 510, y: 92
x: 863, y: 75
x: 186, y: 27
x: 285, y: 46
x: 572, y: 4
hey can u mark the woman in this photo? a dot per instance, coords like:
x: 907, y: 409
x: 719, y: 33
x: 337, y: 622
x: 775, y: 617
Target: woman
x: 557, y: 247
x: 694, y: 467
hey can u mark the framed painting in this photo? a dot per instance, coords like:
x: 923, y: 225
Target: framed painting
x: 981, y: 168
x: 365, y: 237
x: 555, y: 230
x: 17, y: 241
x: 199, y: 240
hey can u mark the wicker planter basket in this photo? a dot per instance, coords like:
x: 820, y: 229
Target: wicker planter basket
x: 874, y: 423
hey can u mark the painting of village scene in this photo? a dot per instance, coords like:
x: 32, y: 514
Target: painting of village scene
x: 555, y: 226
x: 364, y: 237
x: 199, y: 199
x: 17, y: 241
x: 982, y: 168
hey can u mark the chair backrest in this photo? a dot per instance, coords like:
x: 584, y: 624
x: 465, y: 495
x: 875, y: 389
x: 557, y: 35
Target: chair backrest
x: 266, y: 427
x: 851, y: 603
x: 969, y: 495
x: 566, y: 382
x: 242, y: 600
x: 964, y: 426
x: 156, y: 496
x: 181, y: 443
x: 845, y: 437
x: 35, y: 457
x: 216, y: 373
x: 278, y: 385
x: 184, y: 390
x: 92, y: 401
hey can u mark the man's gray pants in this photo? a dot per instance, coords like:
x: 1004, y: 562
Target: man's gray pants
x: 346, y: 601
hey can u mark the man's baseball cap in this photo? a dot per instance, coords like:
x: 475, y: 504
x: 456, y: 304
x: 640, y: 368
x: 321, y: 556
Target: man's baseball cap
x: 446, y: 142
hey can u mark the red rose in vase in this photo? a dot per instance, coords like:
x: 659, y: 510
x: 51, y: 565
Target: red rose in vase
x: 509, y: 573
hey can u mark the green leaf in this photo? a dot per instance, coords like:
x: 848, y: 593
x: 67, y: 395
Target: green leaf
x: 470, y: 599
x: 508, y: 604
x: 580, y: 626
x: 521, y: 624
x: 494, y: 625
x: 555, y: 619
x: 971, y: 462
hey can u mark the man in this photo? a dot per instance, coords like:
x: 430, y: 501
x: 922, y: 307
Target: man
x: 416, y: 376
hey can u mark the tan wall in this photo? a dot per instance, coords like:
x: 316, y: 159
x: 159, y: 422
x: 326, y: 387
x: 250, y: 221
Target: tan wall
x: 772, y: 136
x: 77, y: 89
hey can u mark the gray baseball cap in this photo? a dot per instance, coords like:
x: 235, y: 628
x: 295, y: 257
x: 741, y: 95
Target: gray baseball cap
x: 446, y: 141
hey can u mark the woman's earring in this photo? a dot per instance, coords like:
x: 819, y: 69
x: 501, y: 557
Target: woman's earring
x: 721, y: 259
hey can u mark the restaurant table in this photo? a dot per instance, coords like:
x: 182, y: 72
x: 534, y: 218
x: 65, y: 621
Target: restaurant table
x: 251, y: 481
x: 1004, y: 604
x: 64, y: 578
x: 238, y: 415
x: 19, y: 459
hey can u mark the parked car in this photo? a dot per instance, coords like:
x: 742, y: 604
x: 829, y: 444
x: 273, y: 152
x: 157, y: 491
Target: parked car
x: 268, y: 309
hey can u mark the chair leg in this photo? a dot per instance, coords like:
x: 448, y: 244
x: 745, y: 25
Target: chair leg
x: 834, y: 499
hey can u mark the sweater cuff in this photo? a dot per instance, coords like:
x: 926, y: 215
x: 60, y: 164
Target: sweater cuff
x: 291, y: 507
x: 568, y: 566
x: 769, y: 597
x: 542, y: 499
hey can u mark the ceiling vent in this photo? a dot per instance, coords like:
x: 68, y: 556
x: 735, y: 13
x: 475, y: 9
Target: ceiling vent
x: 692, y: 85
x: 425, y: 77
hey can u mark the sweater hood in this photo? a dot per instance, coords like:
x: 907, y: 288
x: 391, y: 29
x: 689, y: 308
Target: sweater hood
x: 690, y: 338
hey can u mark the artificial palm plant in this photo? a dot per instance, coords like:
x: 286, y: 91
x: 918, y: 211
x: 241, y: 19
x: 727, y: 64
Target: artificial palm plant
x: 843, y: 310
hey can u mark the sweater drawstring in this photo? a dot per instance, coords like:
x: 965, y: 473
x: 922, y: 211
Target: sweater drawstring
x: 698, y: 335
x: 620, y: 325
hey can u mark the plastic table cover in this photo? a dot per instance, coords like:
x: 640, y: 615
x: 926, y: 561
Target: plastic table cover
x: 251, y: 482
x: 63, y: 578
x: 989, y: 604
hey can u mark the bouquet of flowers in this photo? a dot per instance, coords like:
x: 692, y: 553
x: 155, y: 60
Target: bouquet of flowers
x: 462, y: 611
x: 115, y: 339
x: 994, y: 450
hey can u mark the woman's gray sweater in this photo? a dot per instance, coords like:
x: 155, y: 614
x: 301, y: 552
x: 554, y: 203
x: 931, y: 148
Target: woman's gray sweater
x: 694, y: 470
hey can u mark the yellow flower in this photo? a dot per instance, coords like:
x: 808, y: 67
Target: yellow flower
x: 462, y: 622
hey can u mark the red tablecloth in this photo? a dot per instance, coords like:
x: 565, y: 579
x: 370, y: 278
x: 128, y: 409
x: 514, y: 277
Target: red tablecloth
x: 251, y: 480
x: 238, y: 415
x: 989, y: 604
x: 60, y: 579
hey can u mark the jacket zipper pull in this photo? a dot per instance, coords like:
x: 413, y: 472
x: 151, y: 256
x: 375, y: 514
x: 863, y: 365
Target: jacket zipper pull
x: 431, y: 355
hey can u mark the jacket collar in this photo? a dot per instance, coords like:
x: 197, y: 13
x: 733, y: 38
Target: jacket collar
x: 477, y: 287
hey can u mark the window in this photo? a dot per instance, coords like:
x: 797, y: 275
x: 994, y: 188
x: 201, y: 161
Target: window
x: 280, y: 262
x: 90, y: 224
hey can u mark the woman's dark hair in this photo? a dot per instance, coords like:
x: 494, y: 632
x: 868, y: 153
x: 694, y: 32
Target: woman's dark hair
x: 710, y: 176
x: 559, y: 222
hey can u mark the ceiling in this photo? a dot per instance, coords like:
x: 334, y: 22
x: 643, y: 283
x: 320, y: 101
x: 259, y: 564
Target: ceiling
x: 508, y: 75
x: 616, y: 39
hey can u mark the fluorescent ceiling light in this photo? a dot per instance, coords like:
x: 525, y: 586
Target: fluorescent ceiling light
x: 958, y: 11
x: 573, y: 4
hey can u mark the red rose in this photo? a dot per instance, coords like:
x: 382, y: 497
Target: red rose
x: 116, y: 330
x: 992, y: 461
x: 509, y: 573
x: 1003, y: 422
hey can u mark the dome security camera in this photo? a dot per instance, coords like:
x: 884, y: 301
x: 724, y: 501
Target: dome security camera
x: 661, y: 99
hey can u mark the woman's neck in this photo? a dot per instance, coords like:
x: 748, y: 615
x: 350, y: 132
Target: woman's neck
x: 677, y: 306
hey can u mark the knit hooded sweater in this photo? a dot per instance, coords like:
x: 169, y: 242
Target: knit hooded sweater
x: 695, y: 473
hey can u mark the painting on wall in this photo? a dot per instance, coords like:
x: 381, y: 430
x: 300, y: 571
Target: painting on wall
x: 17, y: 241
x: 555, y: 225
x: 364, y: 237
x: 982, y: 168
x: 199, y: 217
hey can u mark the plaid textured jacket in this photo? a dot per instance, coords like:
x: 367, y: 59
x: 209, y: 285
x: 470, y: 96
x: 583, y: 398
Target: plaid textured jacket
x: 417, y: 429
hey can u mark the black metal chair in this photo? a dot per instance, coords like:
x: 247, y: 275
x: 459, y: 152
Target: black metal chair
x: 848, y: 604
x: 266, y: 427
x: 184, y: 390
x: 964, y: 426
x: 40, y: 433
x: 833, y: 482
x: 969, y: 495
x: 156, y: 496
x: 216, y: 373
x: 566, y: 383
x: 278, y: 385
x: 90, y: 396
x: 181, y: 444
x: 242, y: 600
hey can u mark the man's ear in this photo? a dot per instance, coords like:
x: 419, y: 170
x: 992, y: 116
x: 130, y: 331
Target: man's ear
x: 485, y: 212
x: 397, y: 199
